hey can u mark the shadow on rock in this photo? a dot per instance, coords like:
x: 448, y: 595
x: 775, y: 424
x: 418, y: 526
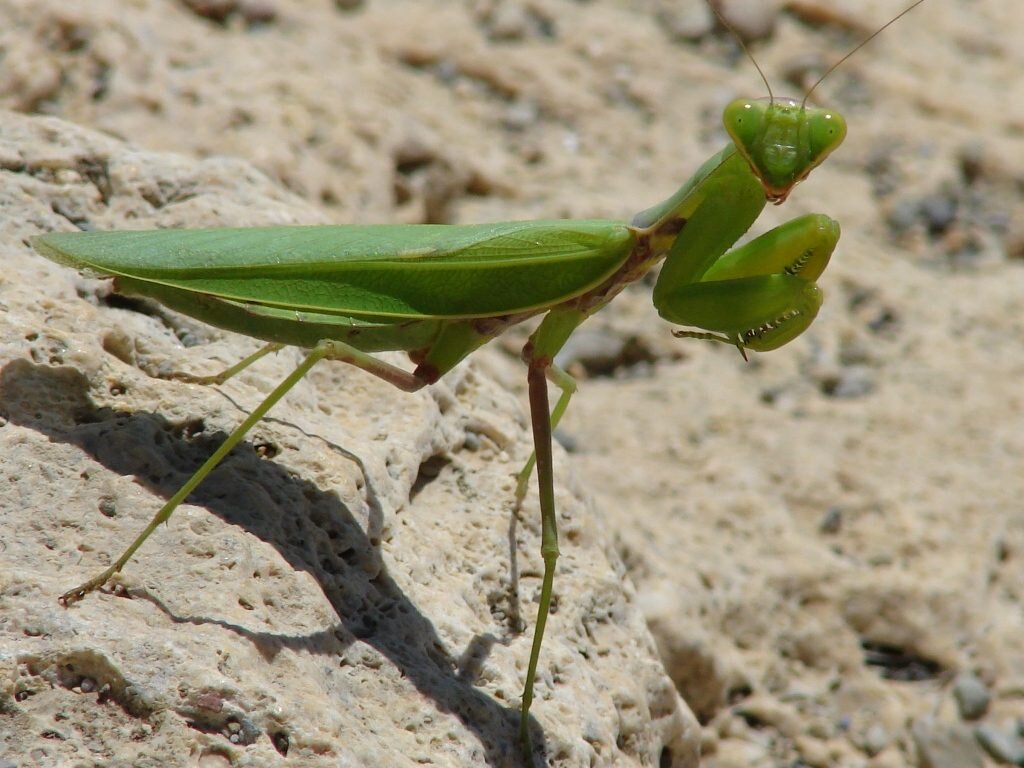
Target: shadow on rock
x: 311, y: 529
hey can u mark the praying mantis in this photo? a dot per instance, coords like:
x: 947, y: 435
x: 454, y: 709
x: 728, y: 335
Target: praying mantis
x: 440, y: 292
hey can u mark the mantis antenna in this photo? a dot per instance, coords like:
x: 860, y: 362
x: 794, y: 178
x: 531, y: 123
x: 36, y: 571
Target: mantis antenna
x: 864, y: 42
x: 771, y: 96
x: 732, y: 30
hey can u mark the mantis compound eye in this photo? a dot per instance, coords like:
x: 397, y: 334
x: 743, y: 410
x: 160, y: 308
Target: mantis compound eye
x: 744, y: 121
x: 825, y: 131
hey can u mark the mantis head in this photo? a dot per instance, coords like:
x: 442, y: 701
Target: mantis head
x: 782, y: 140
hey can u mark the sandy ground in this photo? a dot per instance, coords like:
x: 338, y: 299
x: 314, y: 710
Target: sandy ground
x: 826, y: 542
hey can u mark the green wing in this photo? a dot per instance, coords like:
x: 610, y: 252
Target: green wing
x: 401, y: 271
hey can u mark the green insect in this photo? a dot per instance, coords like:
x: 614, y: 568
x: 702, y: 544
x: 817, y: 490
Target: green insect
x: 439, y: 292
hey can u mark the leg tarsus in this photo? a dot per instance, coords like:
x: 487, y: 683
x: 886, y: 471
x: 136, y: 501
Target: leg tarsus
x: 546, y: 591
x: 704, y: 336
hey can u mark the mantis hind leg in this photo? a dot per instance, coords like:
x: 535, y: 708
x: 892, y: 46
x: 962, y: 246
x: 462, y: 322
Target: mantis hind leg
x: 227, y: 373
x: 198, y: 476
x: 334, y: 350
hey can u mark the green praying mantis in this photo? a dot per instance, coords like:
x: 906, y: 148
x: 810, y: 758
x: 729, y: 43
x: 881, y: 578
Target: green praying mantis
x: 439, y: 292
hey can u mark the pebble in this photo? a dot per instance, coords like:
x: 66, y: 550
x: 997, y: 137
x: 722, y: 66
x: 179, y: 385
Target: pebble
x: 257, y: 11
x: 851, y: 381
x: 971, y: 158
x: 602, y: 352
x: 740, y: 754
x: 831, y: 521
x: 945, y: 745
x: 509, y: 22
x: 688, y: 21
x: 216, y: 10
x: 814, y: 753
x: 1004, y: 744
x: 903, y: 215
x: 251, y: 11
x: 520, y: 115
x: 751, y: 21
x: 972, y: 696
x: 876, y: 739
x: 766, y: 710
x: 939, y: 212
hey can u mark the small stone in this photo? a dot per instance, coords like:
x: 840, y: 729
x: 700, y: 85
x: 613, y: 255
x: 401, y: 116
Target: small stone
x: 510, y: 22
x: 591, y: 348
x: 939, y: 212
x: 751, y: 21
x: 902, y: 216
x: 813, y: 752
x: 1002, y: 743
x: 215, y: 10
x: 520, y: 115
x: 876, y: 738
x: 603, y: 352
x: 971, y: 157
x: 945, y: 745
x: 972, y: 696
x: 850, y: 381
x: 831, y: 521
x: 213, y: 759
x: 740, y: 754
x: 688, y: 21
x: 257, y: 11
x: 766, y: 710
